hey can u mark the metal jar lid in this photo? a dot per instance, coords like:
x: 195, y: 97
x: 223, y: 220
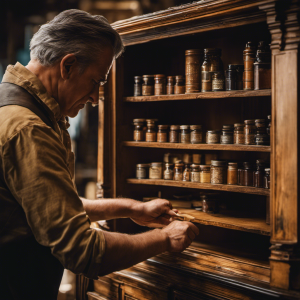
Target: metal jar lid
x: 174, y: 127
x: 213, y: 131
x: 159, y: 76
x: 195, y: 127
x: 239, y: 125
x: 228, y: 127
x: 218, y: 163
x: 195, y: 166
x: 184, y: 126
x: 148, y: 76
x: 142, y: 165
x: 205, y: 167
x: 232, y: 165
x: 139, y: 120
x: 249, y: 122
x: 156, y: 164
x: 193, y: 51
x: 163, y: 127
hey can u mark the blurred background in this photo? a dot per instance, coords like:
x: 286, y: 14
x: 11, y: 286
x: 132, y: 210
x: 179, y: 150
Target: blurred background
x: 19, y: 20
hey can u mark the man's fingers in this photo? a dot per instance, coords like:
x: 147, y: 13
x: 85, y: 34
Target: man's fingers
x: 194, y: 228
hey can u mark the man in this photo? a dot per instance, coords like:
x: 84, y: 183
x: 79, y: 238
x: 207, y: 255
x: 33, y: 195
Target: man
x: 44, y: 225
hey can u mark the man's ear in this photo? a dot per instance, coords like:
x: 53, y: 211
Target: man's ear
x: 68, y: 65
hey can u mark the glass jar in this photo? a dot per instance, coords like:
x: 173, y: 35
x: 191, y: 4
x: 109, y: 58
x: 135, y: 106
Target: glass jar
x: 212, y: 137
x: 168, y: 172
x: 210, y: 203
x: 195, y: 173
x: 186, y: 176
x: 239, y: 135
x: 179, y: 87
x: 248, y: 179
x: 259, y: 173
x: 155, y: 171
x: 160, y: 84
x: 227, y: 134
x: 178, y: 171
x: 142, y: 171
x: 231, y: 79
x: 137, y: 91
x: 232, y: 173
x: 185, y: 135
x: 267, y: 178
x: 196, y: 134
x: 162, y: 133
x: 218, y: 172
x: 174, y: 134
x: 151, y: 132
x: 148, y: 85
x: 206, y: 80
x: 170, y: 85
x: 138, y: 133
x: 250, y: 132
x: 204, y: 173
x: 217, y: 82
x: 193, y: 62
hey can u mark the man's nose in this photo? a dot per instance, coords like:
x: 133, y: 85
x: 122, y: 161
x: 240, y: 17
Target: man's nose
x: 94, y: 96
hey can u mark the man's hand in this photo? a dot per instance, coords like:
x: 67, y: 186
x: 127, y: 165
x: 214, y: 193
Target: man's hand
x: 155, y: 213
x: 180, y: 235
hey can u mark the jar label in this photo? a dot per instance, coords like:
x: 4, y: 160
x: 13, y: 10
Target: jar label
x: 168, y: 175
x: 212, y: 138
x: 226, y: 139
x: 218, y: 85
x: 249, y: 139
x: 195, y: 176
x: 159, y: 89
x: 162, y: 137
x: 185, y: 138
x: 141, y: 173
x: 138, y: 135
x: 196, y: 138
x: 155, y: 173
x: 205, y: 177
x: 239, y: 138
x: 148, y: 90
x: 150, y: 136
x: 178, y: 176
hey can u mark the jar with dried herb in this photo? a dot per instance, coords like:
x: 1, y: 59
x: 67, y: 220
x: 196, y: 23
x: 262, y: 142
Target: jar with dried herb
x: 186, y: 176
x: 170, y: 85
x: 218, y: 172
x: 185, y: 135
x: 155, y: 171
x: 151, y: 135
x: 227, y: 134
x: 232, y: 173
x: 239, y: 135
x: 204, y: 173
x: 193, y: 62
x: 196, y: 134
x: 179, y: 87
x: 148, y: 85
x: 250, y: 132
x: 160, y: 84
x: 162, y: 133
x: 174, y: 133
x: 178, y: 171
x: 138, y: 133
x: 217, y: 82
x: 142, y: 171
x: 212, y: 137
x: 168, y: 172
x: 138, y: 80
x: 195, y: 173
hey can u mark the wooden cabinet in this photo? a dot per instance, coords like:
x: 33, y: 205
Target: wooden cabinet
x: 237, y: 254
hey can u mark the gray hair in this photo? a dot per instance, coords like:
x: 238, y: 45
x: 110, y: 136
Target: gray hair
x: 77, y: 32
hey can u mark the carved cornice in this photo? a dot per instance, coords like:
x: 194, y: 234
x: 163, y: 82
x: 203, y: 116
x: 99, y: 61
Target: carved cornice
x: 283, y: 22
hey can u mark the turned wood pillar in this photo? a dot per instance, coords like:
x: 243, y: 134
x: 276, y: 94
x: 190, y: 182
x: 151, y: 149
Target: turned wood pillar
x: 283, y: 22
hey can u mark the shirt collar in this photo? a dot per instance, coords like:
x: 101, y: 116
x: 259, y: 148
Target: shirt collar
x: 20, y: 75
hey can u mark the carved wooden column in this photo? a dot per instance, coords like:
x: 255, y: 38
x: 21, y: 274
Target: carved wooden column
x: 283, y: 22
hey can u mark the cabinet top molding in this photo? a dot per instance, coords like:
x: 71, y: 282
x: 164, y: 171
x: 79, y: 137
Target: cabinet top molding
x: 191, y: 18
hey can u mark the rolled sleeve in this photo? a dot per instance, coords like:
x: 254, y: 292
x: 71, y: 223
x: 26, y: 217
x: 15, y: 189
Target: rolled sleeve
x: 36, y: 172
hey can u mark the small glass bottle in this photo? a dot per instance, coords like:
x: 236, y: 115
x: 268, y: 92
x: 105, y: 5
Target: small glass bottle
x: 174, y: 133
x: 248, y: 179
x: 239, y: 135
x: 179, y: 87
x: 195, y: 173
x: 186, y: 176
x: 259, y: 173
x: 168, y: 172
x: 138, y: 133
x: 178, y: 171
x: 217, y: 82
x: 151, y: 135
x: 160, y: 84
x: 232, y: 173
x: 196, y: 134
x: 227, y: 134
x: 212, y: 137
x: 267, y: 178
x: 170, y: 85
x: 142, y: 171
x: 148, y: 85
x: 250, y: 132
x: 162, y: 133
x: 231, y: 78
x: 137, y: 86
x: 155, y: 171
x: 218, y: 172
x: 206, y: 80
x: 185, y: 135
x: 204, y: 173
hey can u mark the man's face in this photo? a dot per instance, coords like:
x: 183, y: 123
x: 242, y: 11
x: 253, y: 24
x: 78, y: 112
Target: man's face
x: 76, y: 89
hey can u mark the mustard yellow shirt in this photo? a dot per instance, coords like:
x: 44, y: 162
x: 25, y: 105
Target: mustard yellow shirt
x: 37, y: 194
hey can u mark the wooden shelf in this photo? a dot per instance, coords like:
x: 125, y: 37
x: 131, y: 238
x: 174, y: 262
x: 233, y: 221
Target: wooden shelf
x: 231, y: 147
x: 204, y: 186
x: 254, y: 225
x: 205, y: 95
